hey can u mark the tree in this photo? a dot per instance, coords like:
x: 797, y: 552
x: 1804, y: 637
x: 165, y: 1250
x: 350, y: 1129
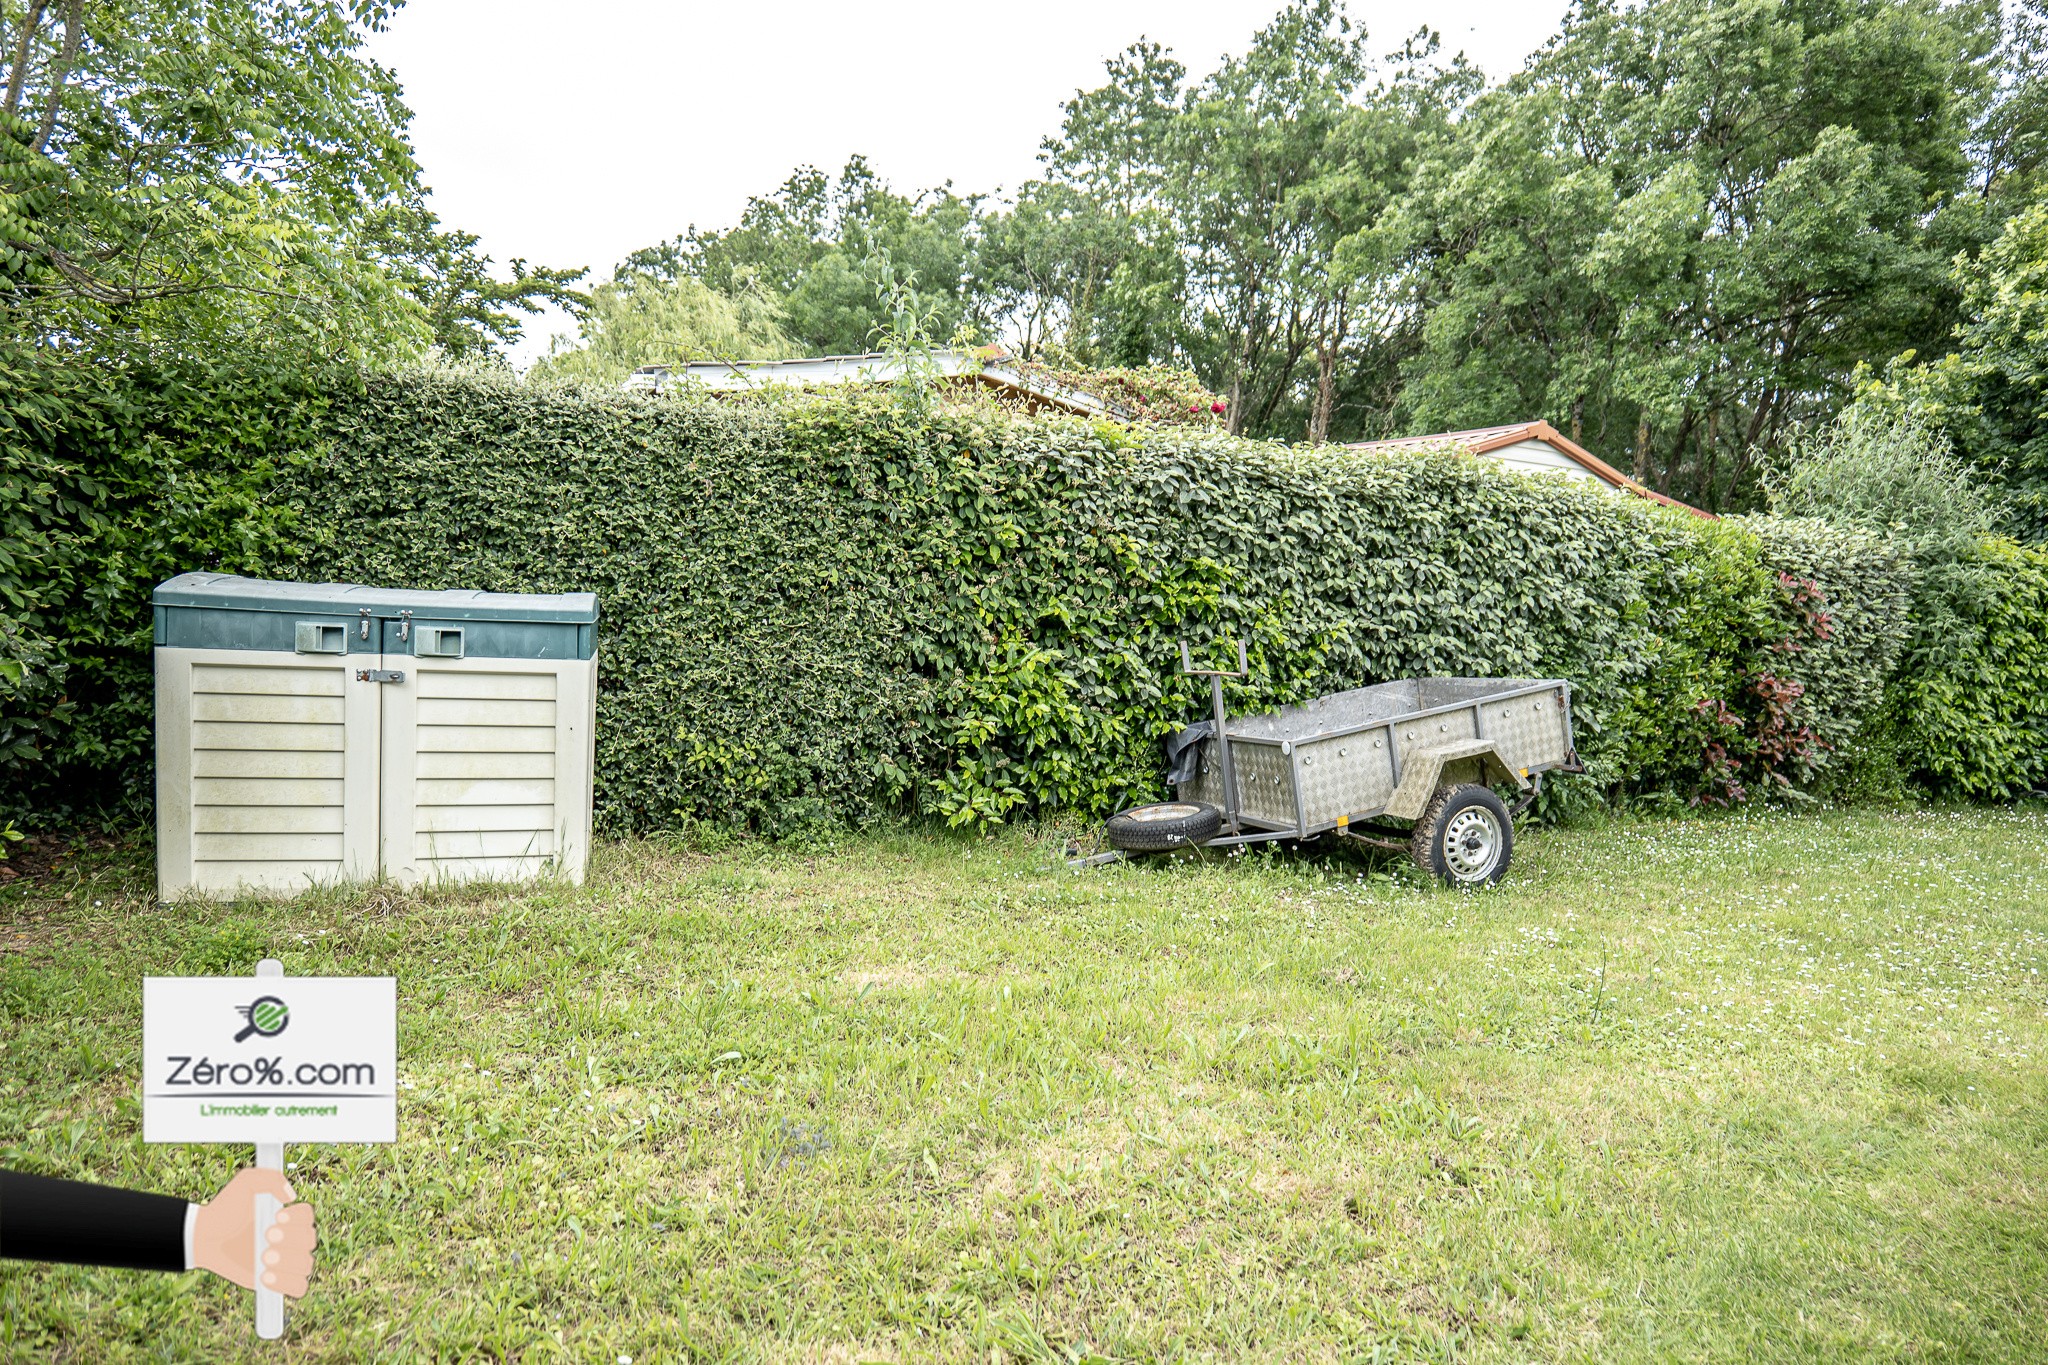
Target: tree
x: 469, y: 312
x: 1113, y: 140
x: 188, y: 177
x: 810, y: 246
x: 1045, y: 267
x: 1684, y: 226
x: 1893, y: 472
x: 1085, y: 264
x: 1991, y: 391
x: 1244, y: 226
x: 1248, y: 141
x: 1356, y: 272
x: 641, y: 318
x: 171, y: 169
x: 2011, y: 142
x: 203, y: 207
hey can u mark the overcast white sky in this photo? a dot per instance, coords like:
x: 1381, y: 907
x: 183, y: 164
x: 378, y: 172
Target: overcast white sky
x: 573, y: 134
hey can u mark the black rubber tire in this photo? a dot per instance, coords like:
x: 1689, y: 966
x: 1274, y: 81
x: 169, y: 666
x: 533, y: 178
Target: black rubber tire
x: 1471, y: 863
x: 1164, y: 825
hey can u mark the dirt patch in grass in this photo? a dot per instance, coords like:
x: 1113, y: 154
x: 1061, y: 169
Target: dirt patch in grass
x: 900, y: 976
x: 839, y: 1354
x: 1083, y: 1149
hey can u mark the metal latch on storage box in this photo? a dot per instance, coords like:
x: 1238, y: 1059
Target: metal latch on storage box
x: 380, y: 675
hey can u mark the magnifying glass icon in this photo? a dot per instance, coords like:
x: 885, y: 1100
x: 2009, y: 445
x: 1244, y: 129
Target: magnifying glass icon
x: 266, y: 1014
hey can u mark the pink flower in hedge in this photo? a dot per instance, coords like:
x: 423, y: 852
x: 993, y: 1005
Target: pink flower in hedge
x: 1194, y: 407
x: 1217, y: 407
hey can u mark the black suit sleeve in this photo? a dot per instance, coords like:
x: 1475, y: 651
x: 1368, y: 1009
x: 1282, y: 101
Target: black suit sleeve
x: 64, y: 1220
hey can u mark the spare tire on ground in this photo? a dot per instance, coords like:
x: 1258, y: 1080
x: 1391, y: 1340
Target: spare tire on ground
x: 1164, y: 825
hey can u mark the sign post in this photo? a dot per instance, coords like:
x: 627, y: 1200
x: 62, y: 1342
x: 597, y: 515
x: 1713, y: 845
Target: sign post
x: 220, y: 1066
x: 269, y: 1157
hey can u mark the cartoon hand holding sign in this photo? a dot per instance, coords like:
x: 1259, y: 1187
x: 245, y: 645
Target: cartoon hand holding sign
x: 64, y: 1220
x: 224, y: 1235
x: 215, y: 1070
x: 225, y: 1059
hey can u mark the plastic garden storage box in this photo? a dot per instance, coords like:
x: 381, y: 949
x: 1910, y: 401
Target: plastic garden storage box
x: 313, y: 733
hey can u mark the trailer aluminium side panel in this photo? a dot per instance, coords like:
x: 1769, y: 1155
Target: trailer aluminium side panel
x: 1384, y: 750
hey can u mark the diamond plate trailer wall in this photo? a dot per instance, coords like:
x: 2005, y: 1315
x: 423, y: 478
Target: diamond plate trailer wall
x: 1342, y: 757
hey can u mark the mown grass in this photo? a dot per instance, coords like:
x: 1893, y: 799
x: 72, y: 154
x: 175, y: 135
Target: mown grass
x: 1749, y: 1089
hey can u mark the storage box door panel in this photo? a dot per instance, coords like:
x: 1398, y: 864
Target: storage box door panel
x: 267, y: 772
x: 486, y: 775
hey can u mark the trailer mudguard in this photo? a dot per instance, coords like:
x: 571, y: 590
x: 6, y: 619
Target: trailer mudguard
x: 1421, y: 769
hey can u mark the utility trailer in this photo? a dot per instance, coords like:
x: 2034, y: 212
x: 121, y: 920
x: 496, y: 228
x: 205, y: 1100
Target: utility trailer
x: 1410, y: 765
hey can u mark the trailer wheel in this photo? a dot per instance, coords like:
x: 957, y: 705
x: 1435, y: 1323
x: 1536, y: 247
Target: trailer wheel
x: 1465, y: 838
x: 1164, y: 825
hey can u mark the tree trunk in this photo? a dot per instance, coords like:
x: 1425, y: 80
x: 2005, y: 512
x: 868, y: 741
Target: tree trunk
x: 17, y: 77
x: 1247, y: 353
x: 1677, y: 453
x: 1707, y: 498
x: 1077, y: 321
x: 1579, y: 420
x: 1753, y: 437
x: 1326, y: 392
x: 60, y: 72
x: 1640, y: 469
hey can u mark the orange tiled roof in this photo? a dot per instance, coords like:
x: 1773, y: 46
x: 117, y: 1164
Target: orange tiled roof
x: 1484, y: 440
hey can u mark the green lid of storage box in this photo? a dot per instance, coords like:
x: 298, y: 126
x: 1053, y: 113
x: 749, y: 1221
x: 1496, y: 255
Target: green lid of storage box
x: 225, y: 611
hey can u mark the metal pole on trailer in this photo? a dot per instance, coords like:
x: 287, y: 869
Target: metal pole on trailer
x: 1228, y: 768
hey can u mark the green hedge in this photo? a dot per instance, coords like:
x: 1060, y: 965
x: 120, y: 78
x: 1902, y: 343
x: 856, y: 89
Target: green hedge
x: 836, y: 608
x: 114, y: 475
x: 1842, y: 608
x: 1974, y: 706
x: 758, y: 650
x: 823, y: 608
x: 818, y: 609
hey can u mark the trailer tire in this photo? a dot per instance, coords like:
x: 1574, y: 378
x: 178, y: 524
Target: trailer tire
x: 1164, y: 825
x: 1465, y: 837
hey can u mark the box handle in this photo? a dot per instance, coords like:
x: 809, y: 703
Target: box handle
x: 438, y: 642
x: 319, y: 637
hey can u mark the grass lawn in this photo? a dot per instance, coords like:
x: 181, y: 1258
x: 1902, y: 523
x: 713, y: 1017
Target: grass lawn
x: 1744, y: 1089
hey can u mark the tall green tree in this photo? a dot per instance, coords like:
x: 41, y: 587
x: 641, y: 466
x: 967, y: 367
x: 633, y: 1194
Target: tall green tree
x: 196, y: 177
x: 1682, y: 228
x: 169, y: 168
x: 1045, y: 270
x: 641, y: 318
x: 2011, y: 143
x: 1085, y: 266
x: 1990, y: 392
x: 470, y: 313
x: 816, y: 244
x: 1355, y: 269
x: 1249, y: 141
x: 1242, y: 224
